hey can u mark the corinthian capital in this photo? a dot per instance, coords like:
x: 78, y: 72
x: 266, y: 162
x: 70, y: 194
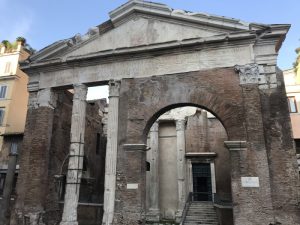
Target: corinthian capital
x: 114, y: 88
x: 249, y: 73
x: 180, y: 125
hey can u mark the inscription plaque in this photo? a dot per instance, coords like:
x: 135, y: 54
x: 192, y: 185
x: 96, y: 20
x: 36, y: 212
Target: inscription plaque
x: 250, y: 181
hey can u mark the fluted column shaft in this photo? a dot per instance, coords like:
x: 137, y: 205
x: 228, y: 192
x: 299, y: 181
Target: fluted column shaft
x: 76, y: 155
x: 111, y: 152
x: 154, y: 177
x: 180, y: 130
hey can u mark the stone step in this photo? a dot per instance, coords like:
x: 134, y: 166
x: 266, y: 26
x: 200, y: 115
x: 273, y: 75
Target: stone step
x: 201, y: 210
x: 201, y: 213
x: 196, y: 223
x: 201, y: 219
x: 201, y: 222
x: 202, y: 216
x: 202, y: 207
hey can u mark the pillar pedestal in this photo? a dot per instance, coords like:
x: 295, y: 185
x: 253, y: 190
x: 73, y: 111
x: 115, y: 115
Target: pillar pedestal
x: 133, y: 188
x: 247, y: 187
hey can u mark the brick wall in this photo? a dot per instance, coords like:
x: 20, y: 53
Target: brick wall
x: 242, y: 109
x: 281, y: 154
x: 45, y: 154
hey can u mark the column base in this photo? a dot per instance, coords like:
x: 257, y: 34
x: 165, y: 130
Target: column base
x: 153, y: 215
x: 68, y: 223
x: 178, y: 216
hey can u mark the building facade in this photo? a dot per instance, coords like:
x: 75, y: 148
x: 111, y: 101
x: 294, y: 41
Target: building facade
x: 156, y: 59
x: 292, y: 86
x: 13, y: 108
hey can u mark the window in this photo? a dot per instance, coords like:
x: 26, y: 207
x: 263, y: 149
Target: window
x: 292, y: 104
x: 2, y: 182
x: 14, y: 148
x: 297, y: 143
x: 3, y: 89
x: 7, y: 67
x: 2, y: 110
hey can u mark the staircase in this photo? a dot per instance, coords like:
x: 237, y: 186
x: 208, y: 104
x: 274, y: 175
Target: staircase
x: 202, y: 213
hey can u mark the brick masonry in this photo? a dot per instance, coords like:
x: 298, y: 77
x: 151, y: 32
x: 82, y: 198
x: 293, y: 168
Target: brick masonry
x: 281, y: 154
x: 246, y: 112
x: 44, y: 155
x: 240, y: 108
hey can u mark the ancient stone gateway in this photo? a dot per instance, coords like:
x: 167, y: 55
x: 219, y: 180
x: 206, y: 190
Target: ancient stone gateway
x: 155, y: 59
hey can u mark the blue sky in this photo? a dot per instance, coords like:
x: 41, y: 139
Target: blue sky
x: 43, y: 22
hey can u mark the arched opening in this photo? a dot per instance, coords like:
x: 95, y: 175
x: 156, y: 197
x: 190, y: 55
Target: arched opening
x: 174, y: 106
x: 189, y: 167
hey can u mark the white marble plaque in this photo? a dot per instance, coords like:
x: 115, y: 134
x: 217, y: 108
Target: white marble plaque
x: 250, y: 181
x: 132, y: 186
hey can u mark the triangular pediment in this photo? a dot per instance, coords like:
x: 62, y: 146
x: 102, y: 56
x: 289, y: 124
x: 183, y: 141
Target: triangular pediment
x: 140, y: 23
x: 143, y: 31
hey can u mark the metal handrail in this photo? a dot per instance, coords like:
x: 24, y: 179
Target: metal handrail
x: 186, y: 208
x: 225, y: 201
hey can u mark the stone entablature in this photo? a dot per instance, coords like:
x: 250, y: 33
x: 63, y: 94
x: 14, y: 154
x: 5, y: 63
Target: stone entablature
x: 210, y: 40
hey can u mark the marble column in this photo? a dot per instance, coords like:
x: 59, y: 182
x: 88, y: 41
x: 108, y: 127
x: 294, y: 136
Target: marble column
x: 8, y: 187
x: 76, y: 155
x: 154, y: 212
x: 180, y: 130
x: 111, y: 152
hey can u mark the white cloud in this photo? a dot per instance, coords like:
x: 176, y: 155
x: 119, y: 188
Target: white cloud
x: 21, y: 27
x: 16, y: 22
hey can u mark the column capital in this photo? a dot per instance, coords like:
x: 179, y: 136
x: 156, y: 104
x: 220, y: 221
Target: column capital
x: 253, y: 73
x: 236, y: 145
x: 80, y: 91
x: 42, y: 98
x: 114, y: 88
x: 180, y: 124
x: 154, y: 127
x: 248, y: 73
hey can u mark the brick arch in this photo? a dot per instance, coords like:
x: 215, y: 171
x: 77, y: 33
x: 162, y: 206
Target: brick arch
x: 225, y: 117
x: 218, y: 91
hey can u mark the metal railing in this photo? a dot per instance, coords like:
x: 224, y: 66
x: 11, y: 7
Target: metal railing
x: 186, y: 208
x: 224, y: 201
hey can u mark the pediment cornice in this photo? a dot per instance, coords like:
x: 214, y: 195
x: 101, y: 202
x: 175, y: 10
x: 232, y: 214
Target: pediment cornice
x: 162, y: 10
x: 130, y: 53
x: 220, y: 29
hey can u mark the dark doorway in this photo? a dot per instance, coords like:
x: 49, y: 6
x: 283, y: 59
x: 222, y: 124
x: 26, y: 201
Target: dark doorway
x: 202, y: 182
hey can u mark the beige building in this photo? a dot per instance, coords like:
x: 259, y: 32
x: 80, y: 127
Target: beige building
x: 13, y: 91
x: 13, y: 108
x: 292, y: 86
